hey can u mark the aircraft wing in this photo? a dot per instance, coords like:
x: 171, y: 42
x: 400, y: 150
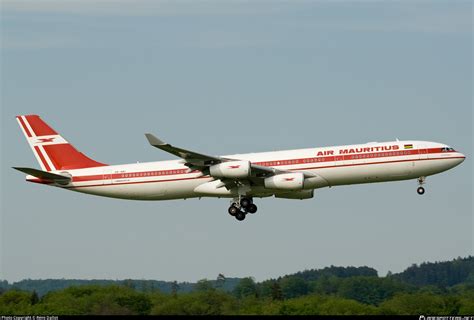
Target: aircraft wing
x: 195, y: 160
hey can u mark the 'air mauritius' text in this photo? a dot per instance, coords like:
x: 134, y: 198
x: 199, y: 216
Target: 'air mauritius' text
x: 358, y: 150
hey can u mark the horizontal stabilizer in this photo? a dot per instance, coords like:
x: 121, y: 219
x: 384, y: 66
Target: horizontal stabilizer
x: 44, y: 174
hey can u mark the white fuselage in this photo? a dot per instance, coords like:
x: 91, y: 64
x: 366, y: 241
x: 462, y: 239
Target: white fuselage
x: 342, y: 165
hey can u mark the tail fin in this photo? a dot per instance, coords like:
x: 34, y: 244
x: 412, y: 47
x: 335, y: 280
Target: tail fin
x: 51, y: 150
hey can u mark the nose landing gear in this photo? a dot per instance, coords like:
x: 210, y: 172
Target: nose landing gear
x: 240, y: 208
x: 420, y: 190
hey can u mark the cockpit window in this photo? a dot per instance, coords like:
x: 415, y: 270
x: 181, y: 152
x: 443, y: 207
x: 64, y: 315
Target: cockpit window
x: 447, y: 149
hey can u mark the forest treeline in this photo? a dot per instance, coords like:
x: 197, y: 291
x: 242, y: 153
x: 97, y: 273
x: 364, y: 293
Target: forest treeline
x: 430, y: 288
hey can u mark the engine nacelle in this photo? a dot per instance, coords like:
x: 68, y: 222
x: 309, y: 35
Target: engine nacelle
x: 315, y: 182
x: 231, y: 169
x: 285, y: 181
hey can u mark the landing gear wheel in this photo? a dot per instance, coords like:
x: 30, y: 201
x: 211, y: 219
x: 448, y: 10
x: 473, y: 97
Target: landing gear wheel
x: 245, y: 202
x: 240, y: 216
x: 251, y: 208
x: 233, y: 210
x: 420, y: 190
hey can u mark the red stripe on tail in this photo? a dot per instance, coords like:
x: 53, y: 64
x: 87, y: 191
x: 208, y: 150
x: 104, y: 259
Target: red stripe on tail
x: 25, y: 128
x: 65, y: 156
x: 43, y: 160
x: 40, y: 128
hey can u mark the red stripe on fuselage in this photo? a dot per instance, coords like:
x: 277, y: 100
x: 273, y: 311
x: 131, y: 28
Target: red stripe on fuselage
x: 346, y: 157
x: 274, y: 163
x: 138, y: 182
x: 144, y: 174
x: 370, y: 163
x: 98, y: 177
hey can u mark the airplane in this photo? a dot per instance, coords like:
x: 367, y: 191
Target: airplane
x: 291, y: 174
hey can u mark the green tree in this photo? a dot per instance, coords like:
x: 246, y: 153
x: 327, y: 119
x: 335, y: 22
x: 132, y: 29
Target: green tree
x: 466, y: 305
x: 324, y: 305
x: 370, y: 290
x: 137, y: 303
x: 174, y: 289
x: 246, y: 288
x: 340, y: 306
x: 277, y: 293
x: 203, y: 285
x: 98, y: 300
x: 251, y: 305
x: 451, y: 305
x: 15, y: 302
x: 265, y: 288
x: 413, y: 304
x: 293, y: 287
x: 220, y: 281
x: 34, y: 298
x: 129, y: 283
x: 208, y: 302
x: 442, y: 274
x: 326, y: 285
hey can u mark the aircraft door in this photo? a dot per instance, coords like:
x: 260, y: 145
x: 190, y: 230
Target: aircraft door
x: 423, y: 152
x: 107, y: 176
x: 422, y: 155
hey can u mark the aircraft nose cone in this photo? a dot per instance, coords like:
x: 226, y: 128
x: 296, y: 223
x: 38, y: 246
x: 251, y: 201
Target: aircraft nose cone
x: 461, y: 158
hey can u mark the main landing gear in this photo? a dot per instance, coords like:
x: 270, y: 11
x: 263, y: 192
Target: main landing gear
x: 239, y: 209
x: 420, y: 190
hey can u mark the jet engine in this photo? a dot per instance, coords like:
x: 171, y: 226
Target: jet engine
x: 231, y: 169
x: 285, y: 181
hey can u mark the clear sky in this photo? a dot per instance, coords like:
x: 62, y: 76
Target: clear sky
x: 233, y: 77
